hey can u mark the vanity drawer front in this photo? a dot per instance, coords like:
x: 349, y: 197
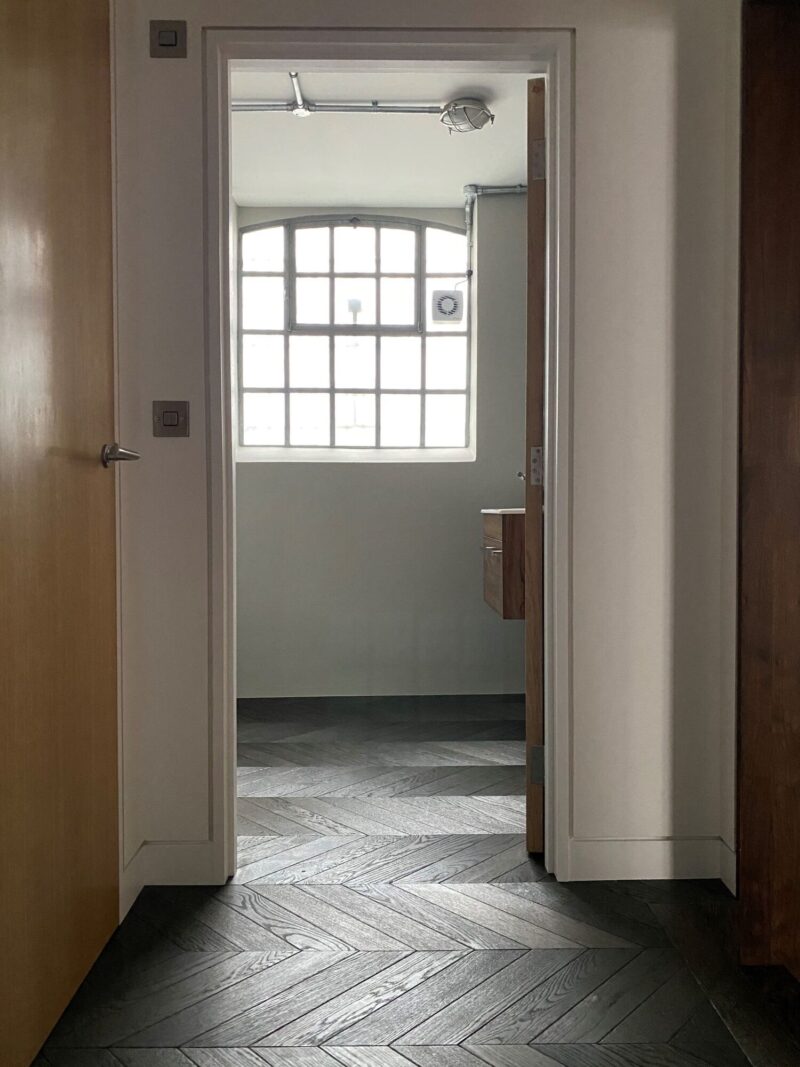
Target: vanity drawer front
x: 504, y: 564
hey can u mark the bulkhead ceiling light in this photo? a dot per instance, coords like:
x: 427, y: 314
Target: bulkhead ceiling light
x: 465, y: 115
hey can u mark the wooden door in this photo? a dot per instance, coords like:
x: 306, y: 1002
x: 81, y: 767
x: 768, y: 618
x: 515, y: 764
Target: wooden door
x: 769, y: 489
x: 58, y: 719
x: 534, y: 493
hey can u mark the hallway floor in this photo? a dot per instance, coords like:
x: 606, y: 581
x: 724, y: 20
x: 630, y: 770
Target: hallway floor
x: 385, y: 914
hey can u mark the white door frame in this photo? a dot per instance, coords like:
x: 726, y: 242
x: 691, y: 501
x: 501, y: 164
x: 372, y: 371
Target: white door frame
x: 548, y: 52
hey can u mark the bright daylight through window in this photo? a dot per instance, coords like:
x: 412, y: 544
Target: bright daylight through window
x: 354, y: 334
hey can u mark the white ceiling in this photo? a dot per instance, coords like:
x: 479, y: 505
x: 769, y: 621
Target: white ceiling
x: 366, y: 160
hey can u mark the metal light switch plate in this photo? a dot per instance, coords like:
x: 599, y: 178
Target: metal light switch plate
x: 170, y: 418
x: 167, y: 39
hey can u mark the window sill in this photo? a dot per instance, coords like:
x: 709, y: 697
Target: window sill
x: 254, y: 454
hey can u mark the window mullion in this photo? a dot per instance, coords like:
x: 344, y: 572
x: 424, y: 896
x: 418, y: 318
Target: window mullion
x: 421, y: 309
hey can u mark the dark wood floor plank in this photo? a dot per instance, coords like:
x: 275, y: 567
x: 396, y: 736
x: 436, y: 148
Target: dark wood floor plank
x: 546, y: 918
x: 274, y: 921
x: 541, y: 1007
x: 471, y: 934
x: 453, y: 1023
x: 489, y: 916
x: 613, y: 1000
x: 704, y: 1035
x: 316, y: 910
x: 324, y: 1022
x: 621, y: 1056
x: 661, y: 1015
x: 233, y: 1002
x: 404, y: 928
x: 391, y: 1023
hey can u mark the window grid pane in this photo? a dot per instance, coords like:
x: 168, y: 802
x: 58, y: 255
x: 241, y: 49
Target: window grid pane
x: 415, y: 407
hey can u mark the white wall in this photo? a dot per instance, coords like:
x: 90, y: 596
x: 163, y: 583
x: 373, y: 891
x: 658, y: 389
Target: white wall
x: 378, y: 584
x: 654, y: 259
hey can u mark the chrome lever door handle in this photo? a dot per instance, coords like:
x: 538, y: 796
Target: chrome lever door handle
x: 114, y: 453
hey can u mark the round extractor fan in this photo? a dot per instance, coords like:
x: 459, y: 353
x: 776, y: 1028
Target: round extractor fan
x: 447, y: 305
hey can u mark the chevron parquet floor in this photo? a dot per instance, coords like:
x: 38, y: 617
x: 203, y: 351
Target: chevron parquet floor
x: 385, y: 914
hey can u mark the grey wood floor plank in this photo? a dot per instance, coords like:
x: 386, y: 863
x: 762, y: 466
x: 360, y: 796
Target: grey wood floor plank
x: 315, y: 870
x: 85, y: 1057
x: 324, y: 1022
x: 287, y: 927
x: 303, y: 1056
x: 391, y: 1023
x: 398, y: 851
x: 530, y: 870
x: 310, y: 846
x: 400, y: 864
x: 494, y: 866
x: 470, y: 934
x: 511, y: 1056
x: 369, y: 1057
x: 234, y: 1002
x: 442, y: 1056
x: 471, y: 781
x: 348, y: 928
x: 541, y: 1007
x: 489, y: 916
x: 413, y: 934
x: 661, y: 1015
x: 235, y: 924
x: 483, y: 848
x: 153, y: 1057
x: 546, y: 918
x: 224, y: 1057
x: 339, y: 810
x: 410, y: 781
x: 402, y: 818
x: 614, y: 999
x: 276, y: 817
x: 254, y: 1026
x: 453, y: 1024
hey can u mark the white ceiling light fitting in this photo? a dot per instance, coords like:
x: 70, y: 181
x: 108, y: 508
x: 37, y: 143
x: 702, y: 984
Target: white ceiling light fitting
x: 466, y: 115
x: 460, y: 116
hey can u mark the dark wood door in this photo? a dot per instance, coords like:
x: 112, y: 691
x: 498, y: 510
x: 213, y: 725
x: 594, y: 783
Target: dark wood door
x: 58, y: 719
x: 534, y: 499
x: 769, y: 604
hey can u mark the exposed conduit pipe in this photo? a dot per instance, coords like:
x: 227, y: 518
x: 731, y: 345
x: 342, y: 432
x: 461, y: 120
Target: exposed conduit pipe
x: 471, y: 194
x: 374, y: 108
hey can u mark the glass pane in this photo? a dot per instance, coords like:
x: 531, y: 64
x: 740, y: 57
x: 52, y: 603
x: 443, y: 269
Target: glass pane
x: 354, y: 249
x: 456, y: 324
x: 262, y: 361
x: 355, y: 419
x: 263, y: 418
x: 354, y: 301
x: 397, y: 301
x: 309, y: 362
x: 310, y: 419
x: 354, y: 363
x: 445, y: 252
x: 312, y: 249
x: 262, y: 303
x: 445, y: 420
x: 398, y: 251
x: 400, y: 363
x: 446, y: 363
x: 400, y: 420
x: 313, y: 301
x: 263, y: 249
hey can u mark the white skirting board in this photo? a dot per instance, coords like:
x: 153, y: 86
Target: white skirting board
x: 610, y: 860
x: 169, y: 863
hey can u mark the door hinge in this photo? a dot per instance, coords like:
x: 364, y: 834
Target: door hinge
x: 536, y: 764
x: 537, y: 466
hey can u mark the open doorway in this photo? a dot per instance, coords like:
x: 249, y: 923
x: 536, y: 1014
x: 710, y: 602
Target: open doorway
x: 381, y: 272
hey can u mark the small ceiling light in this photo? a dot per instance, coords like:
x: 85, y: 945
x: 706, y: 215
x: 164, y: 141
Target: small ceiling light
x: 465, y: 115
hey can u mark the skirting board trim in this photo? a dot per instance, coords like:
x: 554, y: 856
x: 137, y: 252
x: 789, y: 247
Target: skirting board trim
x: 609, y: 860
x: 170, y: 863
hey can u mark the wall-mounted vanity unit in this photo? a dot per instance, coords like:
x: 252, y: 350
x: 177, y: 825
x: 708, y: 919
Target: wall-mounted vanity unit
x: 504, y: 561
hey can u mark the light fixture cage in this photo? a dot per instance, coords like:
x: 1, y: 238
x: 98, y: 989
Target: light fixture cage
x: 466, y: 115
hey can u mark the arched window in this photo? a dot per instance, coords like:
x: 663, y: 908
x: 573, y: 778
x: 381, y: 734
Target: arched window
x: 353, y: 334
